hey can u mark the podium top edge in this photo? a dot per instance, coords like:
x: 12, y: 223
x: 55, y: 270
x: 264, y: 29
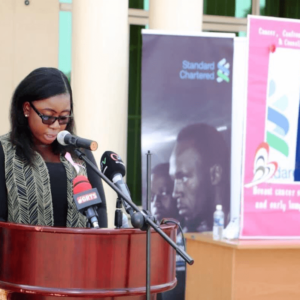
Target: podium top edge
x: 89, y: 231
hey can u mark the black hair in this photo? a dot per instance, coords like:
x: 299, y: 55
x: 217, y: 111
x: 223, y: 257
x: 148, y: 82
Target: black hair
x: 162, y: 170
x: 212, y: 148
x: 40, y: 84
x: 209, y: 143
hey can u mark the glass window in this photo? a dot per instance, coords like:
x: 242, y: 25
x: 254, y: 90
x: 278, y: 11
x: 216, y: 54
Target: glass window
x: 134, y: 174
x: 146, y: 4
x: 139, y: 4
x: 241, y: 33
x: 280, y: 8
x: 229, y: 8
x: 65, y: 41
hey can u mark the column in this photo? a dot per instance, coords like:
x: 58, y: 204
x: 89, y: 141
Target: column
x: 180, y: 15
x: 99, y: 77
x: 28, y: 40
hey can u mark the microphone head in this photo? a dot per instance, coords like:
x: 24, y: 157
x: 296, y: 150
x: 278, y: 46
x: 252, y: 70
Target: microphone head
x: 111, y: 164
x: 61, y: 137
x: 84, y: 195
x: 81, y: 184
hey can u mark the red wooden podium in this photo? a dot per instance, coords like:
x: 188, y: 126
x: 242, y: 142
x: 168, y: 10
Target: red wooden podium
x: 44, y: 263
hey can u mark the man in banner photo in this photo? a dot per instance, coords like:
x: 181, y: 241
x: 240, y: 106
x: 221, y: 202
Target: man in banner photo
x: 186, y: 87
x: 199, y: 166
x: 162, y: 202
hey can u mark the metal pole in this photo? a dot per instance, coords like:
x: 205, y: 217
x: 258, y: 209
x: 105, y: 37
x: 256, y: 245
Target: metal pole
x: 148, y: 201
x: 148, y: 244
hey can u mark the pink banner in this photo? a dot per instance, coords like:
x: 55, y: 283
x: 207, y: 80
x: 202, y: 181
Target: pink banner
x: 271, y: 194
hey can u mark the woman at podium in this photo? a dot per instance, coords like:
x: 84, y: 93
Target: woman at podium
x: 36, y: 172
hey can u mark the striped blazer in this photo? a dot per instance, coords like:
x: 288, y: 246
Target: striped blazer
x: 29, y: 192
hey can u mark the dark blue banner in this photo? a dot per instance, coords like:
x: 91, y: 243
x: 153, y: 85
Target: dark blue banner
x: 186, y: 124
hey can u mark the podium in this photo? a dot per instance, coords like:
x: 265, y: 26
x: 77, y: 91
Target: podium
x: 242, y: 269
x: 45, y: 263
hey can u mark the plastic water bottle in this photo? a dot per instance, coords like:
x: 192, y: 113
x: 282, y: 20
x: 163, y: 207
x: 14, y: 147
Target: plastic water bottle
x: 218, y: 223
x: 125, y: 222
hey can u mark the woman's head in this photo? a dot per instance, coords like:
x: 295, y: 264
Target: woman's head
x: 45, y: 91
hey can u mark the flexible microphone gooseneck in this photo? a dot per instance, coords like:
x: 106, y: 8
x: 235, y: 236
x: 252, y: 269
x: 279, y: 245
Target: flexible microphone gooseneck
x: 86, y: 199
x: 66, y: 138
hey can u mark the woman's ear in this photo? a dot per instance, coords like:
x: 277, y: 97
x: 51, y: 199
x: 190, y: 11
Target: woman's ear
x: 26, y: 109
x: 215, y: 174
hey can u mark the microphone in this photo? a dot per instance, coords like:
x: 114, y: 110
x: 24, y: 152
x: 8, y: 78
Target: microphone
x: 86, y: 199
x: 113, y: 168
x: 66, y: 138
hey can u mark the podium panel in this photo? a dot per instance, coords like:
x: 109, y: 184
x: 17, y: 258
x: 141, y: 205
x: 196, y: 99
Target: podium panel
x: 20, y: 296
x: 40, y: 262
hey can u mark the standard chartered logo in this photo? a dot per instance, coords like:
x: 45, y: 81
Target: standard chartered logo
x: 205, y: 70
x: 223, y: 71
x: 276, y: 136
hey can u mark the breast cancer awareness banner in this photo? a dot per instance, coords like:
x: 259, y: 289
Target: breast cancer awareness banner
x: 271, y: 190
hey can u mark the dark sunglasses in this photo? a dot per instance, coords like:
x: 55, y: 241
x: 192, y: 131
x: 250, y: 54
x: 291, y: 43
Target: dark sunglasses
x: 49, y: 120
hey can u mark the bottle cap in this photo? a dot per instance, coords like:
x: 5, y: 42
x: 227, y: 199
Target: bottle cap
x: 219, y: 207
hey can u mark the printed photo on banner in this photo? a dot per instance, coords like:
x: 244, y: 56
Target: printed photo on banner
x: 186, y: 124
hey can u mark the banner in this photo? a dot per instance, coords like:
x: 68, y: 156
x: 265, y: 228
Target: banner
x: 186, y: 124
x: 271, y: 205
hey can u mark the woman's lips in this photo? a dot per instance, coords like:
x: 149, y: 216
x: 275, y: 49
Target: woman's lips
x: 50, y: 137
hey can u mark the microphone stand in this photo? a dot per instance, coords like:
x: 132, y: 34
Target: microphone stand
x: 118, y: 214
x: 147, y: 219
x: 148, y: 245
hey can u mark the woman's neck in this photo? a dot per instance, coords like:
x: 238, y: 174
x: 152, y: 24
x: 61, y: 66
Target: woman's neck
x: 47, y: 154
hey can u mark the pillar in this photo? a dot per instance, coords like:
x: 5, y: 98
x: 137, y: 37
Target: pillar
x: 99, y: 77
